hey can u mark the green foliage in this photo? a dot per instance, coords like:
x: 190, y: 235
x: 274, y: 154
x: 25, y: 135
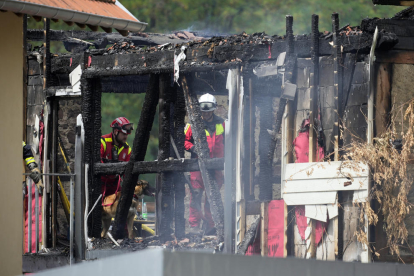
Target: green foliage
x: 235, y: 16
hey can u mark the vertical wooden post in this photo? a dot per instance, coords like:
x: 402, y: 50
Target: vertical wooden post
x: 165, y: 205
x: 54, y: 170
x: 337, y: 111
x: 264, y: 227
x: 179, y: 180
x: 46, y: 54
x: 313, y: 155
x: 139, y: 149
x: 337, y: 78
x: 201, y: 147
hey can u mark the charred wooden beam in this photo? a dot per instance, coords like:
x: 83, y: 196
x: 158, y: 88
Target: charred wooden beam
x: 290, y: 66
x: 136, y: 38
x: 91, y: 100
x: 139, y: 150
x: 249, y: 237
x: 46, y: 54
x: 203, y: 152
x: 313, y: 155
x: 337, y: 83
x: 164, y: 186
x: 179, y: 180
x: 143, y: 167
x: 265, y: 119
x: 168, y: 68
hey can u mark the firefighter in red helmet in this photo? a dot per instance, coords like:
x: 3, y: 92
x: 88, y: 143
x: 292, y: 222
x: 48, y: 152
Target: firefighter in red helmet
x: 114, y: 148
x: 215, y: 140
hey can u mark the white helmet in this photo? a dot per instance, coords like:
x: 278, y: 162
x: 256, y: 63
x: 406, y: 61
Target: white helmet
x: 207, y: 102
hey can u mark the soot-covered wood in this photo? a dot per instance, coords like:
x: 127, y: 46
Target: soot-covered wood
x: 139, y: 150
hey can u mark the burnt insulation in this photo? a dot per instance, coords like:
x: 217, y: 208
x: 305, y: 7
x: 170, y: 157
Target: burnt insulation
x: 179, y: 180
x: 203, y: 152
x: 139, y: 149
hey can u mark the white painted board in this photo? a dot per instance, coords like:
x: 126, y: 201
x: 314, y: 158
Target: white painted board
x: 310, y: 198
x: 321, y: 170
x: 325, y: 184
x: 332, y: 210
x: 360, y: 196
x: 316, y: 212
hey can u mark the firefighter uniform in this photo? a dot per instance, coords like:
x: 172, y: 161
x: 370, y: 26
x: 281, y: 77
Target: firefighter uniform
x: 215, y: 140
x: 110, y: 182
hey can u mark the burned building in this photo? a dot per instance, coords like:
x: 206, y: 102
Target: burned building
x: 283, y: 196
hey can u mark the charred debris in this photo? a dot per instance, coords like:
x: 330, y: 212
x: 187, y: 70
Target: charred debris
x: 147, y: 63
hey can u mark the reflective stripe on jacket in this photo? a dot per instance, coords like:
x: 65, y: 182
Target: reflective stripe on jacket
x: 215, y: 140
x: 124, y: 154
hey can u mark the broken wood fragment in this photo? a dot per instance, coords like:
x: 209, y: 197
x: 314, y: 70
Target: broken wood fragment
x: 249, y: 236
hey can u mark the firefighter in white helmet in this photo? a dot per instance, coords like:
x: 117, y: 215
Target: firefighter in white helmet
x: 215, y: 139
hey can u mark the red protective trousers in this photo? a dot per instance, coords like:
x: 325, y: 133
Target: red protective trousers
x: 215, y: 143
x: 197, y: 183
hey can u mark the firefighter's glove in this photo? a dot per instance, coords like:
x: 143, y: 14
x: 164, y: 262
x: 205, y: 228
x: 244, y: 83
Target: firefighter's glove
x: 35, y: 175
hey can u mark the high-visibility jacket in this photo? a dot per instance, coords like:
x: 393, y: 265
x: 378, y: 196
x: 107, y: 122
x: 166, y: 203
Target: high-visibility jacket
x: 124, y: 154
x: 27, y: 154
x: 215, y: 140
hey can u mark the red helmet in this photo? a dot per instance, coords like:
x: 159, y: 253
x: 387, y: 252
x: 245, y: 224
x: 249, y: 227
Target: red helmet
x: 122, y: 124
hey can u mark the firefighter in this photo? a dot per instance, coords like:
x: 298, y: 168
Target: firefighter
x: 114, y: 148
x: 214, y: 127
x: 32, y: 166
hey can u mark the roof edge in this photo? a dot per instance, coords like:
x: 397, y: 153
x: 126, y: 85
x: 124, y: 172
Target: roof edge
x: 73, y: 16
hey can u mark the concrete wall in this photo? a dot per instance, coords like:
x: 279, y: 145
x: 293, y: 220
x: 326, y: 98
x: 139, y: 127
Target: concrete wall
x: 11, y: 135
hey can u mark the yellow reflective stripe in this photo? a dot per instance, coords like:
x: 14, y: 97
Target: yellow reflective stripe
x: 108, y: 139
x: 186, y: 128
x: 29, y: 160
x: 219, y: 129
x: 24, y: 144
x: 207, y: 133
x: 103, y: 144
x: 129, y: 150
x: 119, y: 151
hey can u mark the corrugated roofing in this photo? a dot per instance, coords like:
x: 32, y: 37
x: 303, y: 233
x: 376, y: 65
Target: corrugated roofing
x: 102, y: 8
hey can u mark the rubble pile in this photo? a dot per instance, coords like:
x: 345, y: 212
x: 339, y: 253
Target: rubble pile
x: 190, y: 242
x: 123, y: 47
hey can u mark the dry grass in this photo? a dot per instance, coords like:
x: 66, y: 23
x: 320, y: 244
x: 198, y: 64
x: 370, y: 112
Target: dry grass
x: 391, y: 181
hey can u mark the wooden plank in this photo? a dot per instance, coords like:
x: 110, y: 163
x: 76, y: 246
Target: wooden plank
x: 360, y: 196
x: 263, y: 227
x: 332, y: 210
x: 317, y: 212
x: 310, y: 198
x: 400, y: 57
x: 324, y: 185
x: 323, y: 170
x: 326, y: 248
x: 382, y: 98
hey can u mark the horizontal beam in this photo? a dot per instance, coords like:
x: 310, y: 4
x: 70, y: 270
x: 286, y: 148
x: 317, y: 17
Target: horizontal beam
x: 136, y: 38
x: 143, y: 167
x: 202, y: 58
x: 399, y: 57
